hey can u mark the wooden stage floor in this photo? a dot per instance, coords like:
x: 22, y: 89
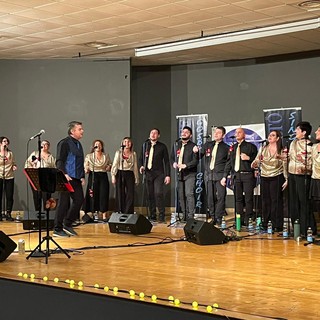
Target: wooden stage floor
x: 254, y: 278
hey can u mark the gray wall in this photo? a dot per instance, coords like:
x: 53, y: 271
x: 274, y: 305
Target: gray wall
x: 47, y: 95
x: 238, y: 94
x: 151, y: 108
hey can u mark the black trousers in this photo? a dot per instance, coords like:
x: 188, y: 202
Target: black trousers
x: 272, y: 200
x: 216, y: 198
x: 99, y: 199
x: 67, y: 213
x: 244, y: 184
x: 186, y: 195
x: 299, y: 202
x: 39, y: 199
x: 6, y: 189
x: 155, y: 189
x: 125, y: 191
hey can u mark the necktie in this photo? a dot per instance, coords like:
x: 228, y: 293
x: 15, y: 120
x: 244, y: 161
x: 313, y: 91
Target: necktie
x: 213, y: 155
x: 181, y: 155
x: 237, y: 162
x: 149, y: 166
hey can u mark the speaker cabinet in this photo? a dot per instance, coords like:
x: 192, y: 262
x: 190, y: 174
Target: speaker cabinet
x: 31, y: 220
x: 129, y: 223
x: 7, y: 246
x: 203, y: 233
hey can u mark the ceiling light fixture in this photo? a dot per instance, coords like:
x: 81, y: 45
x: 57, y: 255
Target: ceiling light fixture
x: 99, y: 45
x: 228, y: 37
x: 310, y: 4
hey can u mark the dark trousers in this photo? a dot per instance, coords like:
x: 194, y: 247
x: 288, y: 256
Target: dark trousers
x: 186, y: 195
x: 98, y: 199
x: 66, y: 213
x: 216, y: 198
x: 299, y: 202
x: 272, y: 200
x: 155, y: 188
x: 244, y: 184
x: 6, y: 188
x: 125, y: 191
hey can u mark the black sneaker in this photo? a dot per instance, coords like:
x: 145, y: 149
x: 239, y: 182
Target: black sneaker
x: 60, y: 234
x: 69, y: 231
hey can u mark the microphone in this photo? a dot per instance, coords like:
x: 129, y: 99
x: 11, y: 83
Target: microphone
x: 178, y: 139
x: 208, y: 136
x: 34, y: 158
x: 147, y: 140
x: 263, y: 141
x: 38, y: 134
x: 122, y: 146
x: 232, y: 137
x: 95, y: 147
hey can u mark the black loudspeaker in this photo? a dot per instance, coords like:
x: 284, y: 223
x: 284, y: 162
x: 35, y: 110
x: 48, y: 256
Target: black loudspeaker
x: 87, y: 219
x: 31, y: 220
x: 203, y: 233
x: 129, y: 223
x: 7, y: 246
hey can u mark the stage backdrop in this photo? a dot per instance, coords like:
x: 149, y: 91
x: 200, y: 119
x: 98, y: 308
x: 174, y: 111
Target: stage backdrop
x: 284, y: 120
x: 199, y: 125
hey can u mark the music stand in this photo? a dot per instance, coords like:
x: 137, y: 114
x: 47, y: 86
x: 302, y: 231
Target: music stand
x: 47, y: 180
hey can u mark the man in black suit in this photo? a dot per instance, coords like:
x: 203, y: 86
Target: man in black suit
x: 215, y: 155
x: 238, y: 165
x: 154, y: 162
x: 185, y: 161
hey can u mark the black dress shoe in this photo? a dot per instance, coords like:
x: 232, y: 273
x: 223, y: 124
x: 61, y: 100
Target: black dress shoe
x: 8, y: 217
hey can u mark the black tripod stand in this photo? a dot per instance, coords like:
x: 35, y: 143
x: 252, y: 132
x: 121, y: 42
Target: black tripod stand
x: 47, y: 180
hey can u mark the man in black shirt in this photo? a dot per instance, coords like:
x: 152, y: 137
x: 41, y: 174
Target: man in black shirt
x: 70, y: 160
x: 215, y: 155
x: 241, y: 156
x: 154, y: 162
x: 185, y: 161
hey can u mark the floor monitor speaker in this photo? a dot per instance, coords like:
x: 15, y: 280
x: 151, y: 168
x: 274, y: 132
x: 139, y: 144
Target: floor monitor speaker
x: 7, y: 246
x: 31, y: 220
x: 203, y: 233
x: 129, y: 223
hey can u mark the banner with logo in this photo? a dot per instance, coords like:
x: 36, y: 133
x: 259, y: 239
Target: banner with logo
x: 199, y: 125
x: 284, y: 120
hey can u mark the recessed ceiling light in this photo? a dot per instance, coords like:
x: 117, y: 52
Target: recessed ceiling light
x: 310, y: 4
x: 99, y: 45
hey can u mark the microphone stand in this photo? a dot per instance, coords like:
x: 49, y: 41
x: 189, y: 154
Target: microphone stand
x: 258, y: 179
x: 3, y: 195
x: 39, y: 253
x: 233, y: 180
x: 177, y: 217
x: 120, y: 178
x: 145, y: 157
x: 289, y: 222
x: 308, y: 215
x: 95, y: 216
